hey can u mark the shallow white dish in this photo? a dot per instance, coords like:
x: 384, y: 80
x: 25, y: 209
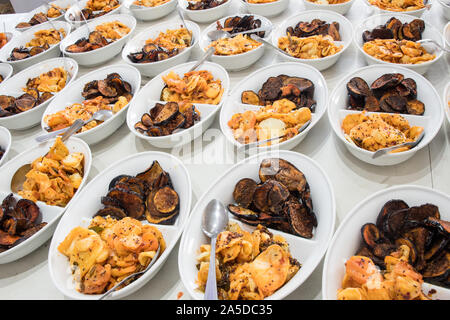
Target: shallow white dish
x: 238, y: 61
x: 100, y: 55
x: 415, y: 13
x: 206, y: 15
x: 88, y: 203
x: 50, y: 214
x: 76, y: 8
x: 269, y: 9
x: 6, y: 71
x: 341, y: 8
x: 151, y: 92
x: 254, y: 82
x: 447, y: 101
x: 152, y: 13
x: 308, y: 252
x: 430, y: 32
x: 5, y: 143
x: 446, y: 34
x: 431, y: 120
x: 347, y: 239
x: 445, y: 8
x: 43, y: 8
x: 72, y: 94
x: 25, y: 37
x: 345, y: 30
x: 151, y: 69
x: 13, y: 86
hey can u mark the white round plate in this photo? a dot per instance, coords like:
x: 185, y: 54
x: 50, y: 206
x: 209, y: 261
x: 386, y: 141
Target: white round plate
x: 5, y: 143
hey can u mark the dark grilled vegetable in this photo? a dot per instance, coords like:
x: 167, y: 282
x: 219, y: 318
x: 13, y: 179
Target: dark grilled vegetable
x: 300, y: 219
x: 371, y: 234
x: 284, y: 172
x: 244, y: 191
x: 130, y: 201
x: 411, y: 246
x: 316, y: 27
x: 415, y: 107
x: 250, y: 97
x: 241, y: 212
x: 358, y: 88
x: 395, y: 29
x: 387, y: 81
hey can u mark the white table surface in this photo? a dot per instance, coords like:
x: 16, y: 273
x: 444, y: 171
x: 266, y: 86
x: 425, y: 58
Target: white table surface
x: 207, y: 157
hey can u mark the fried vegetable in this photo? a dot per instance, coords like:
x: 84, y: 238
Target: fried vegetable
x: 154, y: 216
x: 241, y: 212
x: 387, y: 81
x: 130, y: 201
x: 250, y: 97
x: 284, y: 172
x: 166, y: 200
x: 300, y: 219
x: 244, y: 191
x: 412, y: 248
x: 415, y: 107
x: 166, y: 113
x: 358, y: 87
x: 390, y: 206
x: 371, y: 234
x: 150, y: 175
x: 112, y: 211
x: 394, y: 222
x: 270, y: 195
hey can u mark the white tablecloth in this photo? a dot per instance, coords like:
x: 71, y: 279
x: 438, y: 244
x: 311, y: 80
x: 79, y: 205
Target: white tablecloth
x: 353, y: 180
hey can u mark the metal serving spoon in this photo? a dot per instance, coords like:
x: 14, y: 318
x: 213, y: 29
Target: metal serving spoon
x: 100, y: 115
x: 19, y: 176
x: 131, y: 276
x: 219, y: 34
x: 205, y: 56
x: 255, y: 144
x: 412, y: 144
x: 437, y: 44
x: 180, y: 14
x: 259, y: 39
x: 214, y: 221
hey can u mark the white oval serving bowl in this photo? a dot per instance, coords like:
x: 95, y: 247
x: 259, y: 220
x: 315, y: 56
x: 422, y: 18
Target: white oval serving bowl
x: 373, y: 21
x: 269, y: 9
x: 206, y: 15
x: 88, y: 203
x: 341, y: 8
x: 151, y: 69
x: 347, y: 239
x: 254, y: 82
x: 153, y: 13
x: 6, y: 71
x: 345, y: 30
x: 151, y: 92
x: 25, y: 37
x: 72, y: 94
x: 50, y: 214
x: 445, y: 9
x: 78, y: 6
x: 308, y: 252
x: 239, y: 61
x: 13, y: 86
x: 5, y: 143
x: 376, y: 10
x: 447, y: 101
x: 103, y: 54
x: 446, y: 34
x: 431, y: 120
x: 43, y: 8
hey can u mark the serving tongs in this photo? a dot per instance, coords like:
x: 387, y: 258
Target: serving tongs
x: 132, y: 276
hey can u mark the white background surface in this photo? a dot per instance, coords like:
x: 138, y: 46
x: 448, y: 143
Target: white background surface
x: 353, y: 180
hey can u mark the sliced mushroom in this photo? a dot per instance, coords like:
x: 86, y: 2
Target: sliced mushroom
x: 130, y: 201
x: 358, y: 87
x: 244, y: 191
x: 371, y: 234
x: 415, y: 107
x: 387, y: 81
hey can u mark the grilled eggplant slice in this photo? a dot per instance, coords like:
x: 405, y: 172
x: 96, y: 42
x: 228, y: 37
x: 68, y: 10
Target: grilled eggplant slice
x: 358, y: 88
x: 390, y: 206
x: 438, y: 245
x: 300, y: 220
x: 242, y: 212
x: 30, y: 211
x: 441, y: 225
x: 154, y: 216
x: 250, y: 97
x: 150, y: 175
x: 114, y: 212
x: 394, y: 222
x: 130, y: 201
x: 371, y: 235
x: 439, y: 268
x: 8, y: 240
x: 283, y: 172
x: 411, y: 246
x: 415, y: 107
x: 166, y: 200
x: 387, y: 81
x: 169, y: 111
x: 244, y: 191
x: 270, y: 196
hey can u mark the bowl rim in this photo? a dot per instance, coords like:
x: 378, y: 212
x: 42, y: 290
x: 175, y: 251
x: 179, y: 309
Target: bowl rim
x: 239, y: 55
x: 82, y: 135
x: 144, y: 8
x: 72, y: 79
x: 10, y: 72
x: 8, y: 147
x: 179, y: 231
x: 309, y: 13
x: 145, y: 31
x: 447, y: 101
x: 67, y: 29
x: 410, y: 12
x: 355, y: 210
x: 268, y: 4
x: 446, y: 33
x: 220, y: 6
x: 106, y: 17
x: 79, y: 2
x: 294, y: 138
x: 266, y: 153
x: 412, y: 151
x: 357, y: 35
x: 337, y: 5
x: 444, y: 4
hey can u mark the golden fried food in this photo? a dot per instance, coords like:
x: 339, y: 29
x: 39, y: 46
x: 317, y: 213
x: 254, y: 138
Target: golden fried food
x: 282, y: 118
x: 3, y: 39
x: 195, y: 87
x: 328, y: 1
x: 113, y: 30
x: 364, y: 281
x: 398, y: 5
x: 150, y: 3
x: 54, y: 178
x: 52, y: 81
x: 55, y: 11
x: 46, y: 37
x: 84, y: 111
x: 313, y: 47
x: 105, y: 5
x: 377, y: 131
x: 398, y: 51
x: 249, y: 266
x: 109, y: 251
x: 172, y: 39
x: 235, y: 45
x: 260, y: 1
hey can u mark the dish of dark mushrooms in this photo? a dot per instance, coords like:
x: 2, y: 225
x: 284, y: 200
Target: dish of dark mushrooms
x: 204, y: 4
x: 296, y: 89
x: 165, y: 119
x: 281, y: 200
x: 421, y: 229
x: 391, y: 93
x: 316, y: 27
x: 395, y: 29
x: 19, y: 220
x: 239, y: 24
x: 149, y: 194
x: 53, y: 12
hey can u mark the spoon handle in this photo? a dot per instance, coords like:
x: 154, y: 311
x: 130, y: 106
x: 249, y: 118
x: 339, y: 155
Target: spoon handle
x: 259, y: 39
x: 75, y: 127
x: 211, y: 283
x: 412, y: 144
x: 208, y: 53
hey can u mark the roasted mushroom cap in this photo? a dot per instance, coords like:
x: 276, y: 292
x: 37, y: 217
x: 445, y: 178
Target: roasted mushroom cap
x: 244, y: 191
